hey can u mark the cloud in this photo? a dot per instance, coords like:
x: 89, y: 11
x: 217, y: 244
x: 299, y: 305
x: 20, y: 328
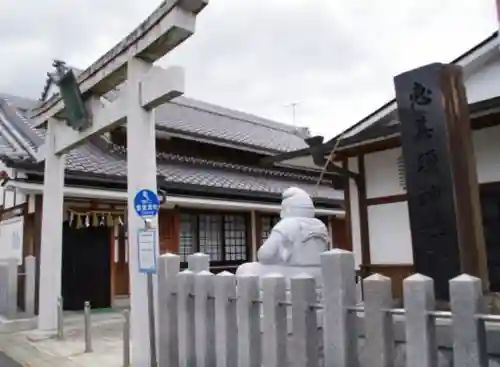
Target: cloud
x: 336, y: 57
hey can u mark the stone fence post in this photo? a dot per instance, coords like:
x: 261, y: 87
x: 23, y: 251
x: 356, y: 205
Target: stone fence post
x: 339, y: 294
x: 29, y: 285
x: 168, y: 333
x: 8, y: 287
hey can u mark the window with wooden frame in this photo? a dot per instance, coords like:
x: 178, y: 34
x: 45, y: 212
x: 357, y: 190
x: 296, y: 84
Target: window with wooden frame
x: 267, y: 222
x: 225, y: 237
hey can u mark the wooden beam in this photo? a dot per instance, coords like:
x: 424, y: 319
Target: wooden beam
x: 363, y: 213
x: 167, y: 27
x: 269, y: 161
x: 348, y: 210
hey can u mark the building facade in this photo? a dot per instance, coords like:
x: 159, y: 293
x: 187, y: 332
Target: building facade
x: 375, y: 189
x: 217, y: 198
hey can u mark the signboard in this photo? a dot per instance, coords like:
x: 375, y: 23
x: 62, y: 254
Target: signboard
x: 74, y: 109
x: 146, y: 240
x: 11, y: 239
x: 146, y: 203
x: 440, y: 171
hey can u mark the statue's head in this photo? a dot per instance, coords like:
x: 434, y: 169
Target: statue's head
x: 296, y: 203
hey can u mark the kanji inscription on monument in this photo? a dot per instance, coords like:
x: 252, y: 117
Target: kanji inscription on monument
x: 441, y: 177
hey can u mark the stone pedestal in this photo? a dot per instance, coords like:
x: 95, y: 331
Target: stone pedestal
x: 8, y: 288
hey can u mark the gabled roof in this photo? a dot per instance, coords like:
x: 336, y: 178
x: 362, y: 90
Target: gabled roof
x: 384, y: 122
x: 387, y: 116
x: 101, y: 158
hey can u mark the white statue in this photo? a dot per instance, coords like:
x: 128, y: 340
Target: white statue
x: 295, y: 243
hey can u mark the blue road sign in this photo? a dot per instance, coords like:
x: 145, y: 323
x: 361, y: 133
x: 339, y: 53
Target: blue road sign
x: 146, y: 203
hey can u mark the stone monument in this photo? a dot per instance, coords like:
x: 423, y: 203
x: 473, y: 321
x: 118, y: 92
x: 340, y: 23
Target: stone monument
x: 295, y: 243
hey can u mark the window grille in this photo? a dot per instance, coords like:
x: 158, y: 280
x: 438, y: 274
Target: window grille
x: 223, y: 237
x: 267, y: 224
x: 235, y: 238
x: 187, y: 234
x: 210, y: 236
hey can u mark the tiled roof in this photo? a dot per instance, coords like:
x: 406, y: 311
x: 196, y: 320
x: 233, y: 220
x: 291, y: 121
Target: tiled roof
x: 5, y: 147
x: 189, y: 116
x: 101, y: 157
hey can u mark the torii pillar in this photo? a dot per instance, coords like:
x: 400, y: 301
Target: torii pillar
x: 145, y: 88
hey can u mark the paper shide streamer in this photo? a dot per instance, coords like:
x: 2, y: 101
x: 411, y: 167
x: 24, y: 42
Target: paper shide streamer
x: 95, y: 218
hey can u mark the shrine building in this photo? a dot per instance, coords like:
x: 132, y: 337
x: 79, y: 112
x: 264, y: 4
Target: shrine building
x: 376, y: 206
x: 217, y: 198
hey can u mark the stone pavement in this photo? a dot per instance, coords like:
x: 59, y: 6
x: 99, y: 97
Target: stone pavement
x: 6, y: 361
x: 34, y: 349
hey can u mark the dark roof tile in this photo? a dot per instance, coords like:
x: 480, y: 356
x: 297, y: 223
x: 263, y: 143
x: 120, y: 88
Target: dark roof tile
x: 191, y: 116
x: 100, y: 157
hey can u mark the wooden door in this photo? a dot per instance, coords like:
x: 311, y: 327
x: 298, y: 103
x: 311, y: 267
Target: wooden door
x: 120, y: 261
x: 85, y: 267
x: 168, y: 225
x: 339, y: 234
x: 168, y: 234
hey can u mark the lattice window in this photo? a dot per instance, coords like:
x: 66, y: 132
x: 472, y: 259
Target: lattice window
x: 223, y: 237
x: 267, y: 224
x: 187, y: 234
x: 210, y: 236
x: 235, y: 238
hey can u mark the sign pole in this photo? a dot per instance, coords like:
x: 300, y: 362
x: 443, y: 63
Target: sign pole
x: 146, y: 206
x: 151, y: 314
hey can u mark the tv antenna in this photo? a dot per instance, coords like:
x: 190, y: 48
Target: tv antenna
x: 293, y: 105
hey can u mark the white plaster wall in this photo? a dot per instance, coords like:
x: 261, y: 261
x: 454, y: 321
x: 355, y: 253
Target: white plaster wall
x: 484, y: 83
x: 6, y: 200
x: 389, y: 229
x: 352, y: 165
x: 11, y: 239
x: 487, y: 152
x: 381, y: 170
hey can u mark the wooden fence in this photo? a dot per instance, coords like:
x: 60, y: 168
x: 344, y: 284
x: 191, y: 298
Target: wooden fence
x: 215, y: 320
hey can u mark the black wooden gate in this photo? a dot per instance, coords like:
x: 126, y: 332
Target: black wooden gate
x: 86, y: 267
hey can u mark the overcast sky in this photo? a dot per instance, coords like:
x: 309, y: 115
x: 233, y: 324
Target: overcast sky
x: 335, y: 57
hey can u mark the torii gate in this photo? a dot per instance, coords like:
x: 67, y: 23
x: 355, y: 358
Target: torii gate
x: 146, y: 87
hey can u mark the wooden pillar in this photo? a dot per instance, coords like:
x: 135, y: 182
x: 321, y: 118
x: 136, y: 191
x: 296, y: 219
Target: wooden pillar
x: 363, y: 213
x: 340, y: 237
x: 168, y: 224
x: 254, y: 239
x: 443, y: 197
x: 37, y: 245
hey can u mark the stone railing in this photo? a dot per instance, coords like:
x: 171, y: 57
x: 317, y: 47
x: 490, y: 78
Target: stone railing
x: 206, y: 318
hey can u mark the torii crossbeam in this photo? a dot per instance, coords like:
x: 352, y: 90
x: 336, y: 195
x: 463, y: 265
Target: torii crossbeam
x: 145, y: 86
